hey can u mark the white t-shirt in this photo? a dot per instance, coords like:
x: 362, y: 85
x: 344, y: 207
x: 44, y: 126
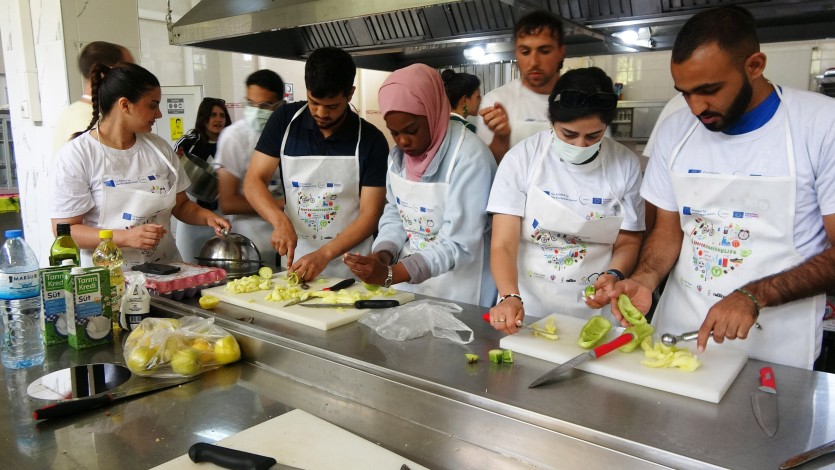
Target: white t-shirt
x: 235, y: 146
x: 676, y: 102
x: 78, y: 178
x: 585, y: 188
x: 760, y: 152
x: 526, y: 109
x: 75, y: 118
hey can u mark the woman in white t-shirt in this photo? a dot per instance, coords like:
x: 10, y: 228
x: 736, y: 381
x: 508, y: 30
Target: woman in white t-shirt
x: 117, y: 175
x: 567, y: 209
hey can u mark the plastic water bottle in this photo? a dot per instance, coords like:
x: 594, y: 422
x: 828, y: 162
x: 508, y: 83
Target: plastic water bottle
x: 108, y: 255
x: 63, y: 247
x: 20, y: 302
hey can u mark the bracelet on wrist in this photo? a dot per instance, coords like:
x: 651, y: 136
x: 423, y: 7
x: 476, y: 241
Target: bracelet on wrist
x: 389, y: 277
x: 753, y: 299
x: 501, y: 299
x: 617, y: 273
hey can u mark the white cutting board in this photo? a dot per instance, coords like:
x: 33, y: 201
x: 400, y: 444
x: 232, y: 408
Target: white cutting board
x: 302, y: 440
x: 321, y: 318
x: 709, y: 382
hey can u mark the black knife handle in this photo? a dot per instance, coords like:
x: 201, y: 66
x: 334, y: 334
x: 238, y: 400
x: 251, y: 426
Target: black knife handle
x: 229, y: 458
x: 376, y: 303
x: 69, y: 407
x: 341, y: 285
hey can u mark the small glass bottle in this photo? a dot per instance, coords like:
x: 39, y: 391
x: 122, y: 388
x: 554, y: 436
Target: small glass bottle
x: 108, y: 255
x: 63, y: 247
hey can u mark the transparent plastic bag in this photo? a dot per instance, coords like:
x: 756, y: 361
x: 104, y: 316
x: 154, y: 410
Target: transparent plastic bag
x: 168, y: 347
x: 415, y: 319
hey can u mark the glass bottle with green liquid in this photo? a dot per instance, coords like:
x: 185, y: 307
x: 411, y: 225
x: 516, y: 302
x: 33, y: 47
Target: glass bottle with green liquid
x: 63, y: 247
x: 108, y: 255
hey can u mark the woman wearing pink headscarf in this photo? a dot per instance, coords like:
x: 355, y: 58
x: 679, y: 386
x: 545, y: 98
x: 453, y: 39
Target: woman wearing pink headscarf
x: 434, y: 234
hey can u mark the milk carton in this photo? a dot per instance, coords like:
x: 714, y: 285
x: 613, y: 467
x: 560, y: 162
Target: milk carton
x: 54, y: 304
x: 89, y: 307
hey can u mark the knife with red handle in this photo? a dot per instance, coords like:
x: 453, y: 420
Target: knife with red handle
x: 595, y: 353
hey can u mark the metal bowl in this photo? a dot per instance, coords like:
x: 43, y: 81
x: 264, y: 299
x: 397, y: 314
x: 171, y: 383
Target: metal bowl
x: 203, y: 177
x: 234, y: 253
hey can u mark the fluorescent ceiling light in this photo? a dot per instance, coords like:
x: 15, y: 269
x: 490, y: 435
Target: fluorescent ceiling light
x: 475, y: 53
x: 628, y: 37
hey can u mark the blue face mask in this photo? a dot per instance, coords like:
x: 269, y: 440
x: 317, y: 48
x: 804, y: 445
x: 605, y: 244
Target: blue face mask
x: 256, y: 117
x: 572, y: 153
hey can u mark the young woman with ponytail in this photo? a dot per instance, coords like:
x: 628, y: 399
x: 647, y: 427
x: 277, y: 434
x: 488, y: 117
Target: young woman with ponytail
x: 118, y: 175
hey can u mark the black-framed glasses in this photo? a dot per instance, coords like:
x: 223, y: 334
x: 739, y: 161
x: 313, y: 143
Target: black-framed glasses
x: 581, y: 99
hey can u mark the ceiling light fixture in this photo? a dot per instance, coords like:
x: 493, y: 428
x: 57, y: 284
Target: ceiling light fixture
x: 628, y: 37
x: 475, y: 53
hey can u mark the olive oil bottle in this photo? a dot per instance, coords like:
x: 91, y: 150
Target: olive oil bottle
x: 63, y: 247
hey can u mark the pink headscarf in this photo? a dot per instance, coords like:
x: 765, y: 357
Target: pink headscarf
x: 419, y: 90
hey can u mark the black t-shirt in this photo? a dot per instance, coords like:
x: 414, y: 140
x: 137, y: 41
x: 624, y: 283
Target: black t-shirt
x: 305, y: 138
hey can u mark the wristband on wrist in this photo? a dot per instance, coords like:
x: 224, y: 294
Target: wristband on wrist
x: 616, y: 273
x: 753, y: 299
x: 501, y: 299
x: 389, y: 277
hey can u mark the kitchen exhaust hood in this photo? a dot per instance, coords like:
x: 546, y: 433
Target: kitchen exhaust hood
x: 389, y: 34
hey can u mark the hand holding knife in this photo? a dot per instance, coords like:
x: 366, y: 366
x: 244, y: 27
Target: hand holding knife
x: 339, y: 285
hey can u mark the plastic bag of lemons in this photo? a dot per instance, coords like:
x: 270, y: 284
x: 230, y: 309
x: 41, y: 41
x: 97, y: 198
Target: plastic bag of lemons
x: 170, y: 347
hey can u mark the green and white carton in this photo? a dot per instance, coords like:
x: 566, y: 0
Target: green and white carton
x: 54, y: 304
x: 89, y: 307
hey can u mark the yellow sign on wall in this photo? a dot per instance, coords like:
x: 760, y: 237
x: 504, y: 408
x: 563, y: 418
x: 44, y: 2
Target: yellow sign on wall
x: 176, y: 128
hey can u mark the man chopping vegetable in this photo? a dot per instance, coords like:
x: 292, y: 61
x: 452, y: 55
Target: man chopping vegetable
x: 333, y: 167
x: 744, y: 184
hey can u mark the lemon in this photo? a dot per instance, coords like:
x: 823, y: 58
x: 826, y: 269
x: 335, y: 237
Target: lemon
x: 185, y: 362
x: 265, y: 272
x: 209, y: 301
x: 140, y: 358
x: 204, y: 350
x: 227, y: 350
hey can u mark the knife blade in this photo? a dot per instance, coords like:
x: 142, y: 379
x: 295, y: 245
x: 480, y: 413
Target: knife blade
x: 812, y: 454
x: 339, y: 285
x: 145, y: 385
x: 232, y: 458
x: 595, y: 353
x: 359, y: 304
x: 764, y: 402
x: 486, y: 317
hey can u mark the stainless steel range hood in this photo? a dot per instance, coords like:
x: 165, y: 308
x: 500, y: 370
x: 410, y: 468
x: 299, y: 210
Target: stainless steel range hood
x: 388, y: 34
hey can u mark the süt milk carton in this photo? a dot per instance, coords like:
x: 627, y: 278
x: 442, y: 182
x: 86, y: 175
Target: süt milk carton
x: 89, y: 310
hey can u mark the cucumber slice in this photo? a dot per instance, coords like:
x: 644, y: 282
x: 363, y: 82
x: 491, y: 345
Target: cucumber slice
x: 593, y: 332
x: 265, y: 272
x: 471, y: 358
x: 495, y: 356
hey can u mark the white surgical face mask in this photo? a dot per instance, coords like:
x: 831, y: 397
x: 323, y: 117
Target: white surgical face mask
x: 571, y: 153
x: 256, y: 117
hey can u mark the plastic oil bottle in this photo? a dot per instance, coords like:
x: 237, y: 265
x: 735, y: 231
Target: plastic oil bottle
x: 20, y: 304
x: 63, y: 247
x: 108, y: 255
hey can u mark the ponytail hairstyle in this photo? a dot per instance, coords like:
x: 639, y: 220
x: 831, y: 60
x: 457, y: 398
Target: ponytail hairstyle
x: 459, y: 85
x: 108, y: 84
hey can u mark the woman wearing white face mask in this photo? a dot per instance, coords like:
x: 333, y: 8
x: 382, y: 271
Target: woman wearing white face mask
x: 567, y: 212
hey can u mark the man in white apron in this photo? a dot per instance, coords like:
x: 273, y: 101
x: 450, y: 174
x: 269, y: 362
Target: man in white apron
x: 333, y: 167
x: 745, y: 214
x: 264, y: 94
x: 519, y: 108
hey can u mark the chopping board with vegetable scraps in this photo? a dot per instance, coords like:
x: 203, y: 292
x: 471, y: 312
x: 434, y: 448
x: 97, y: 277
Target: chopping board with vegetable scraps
x: 709, y: 382
x: 321, y: 318
x: 302, y: 440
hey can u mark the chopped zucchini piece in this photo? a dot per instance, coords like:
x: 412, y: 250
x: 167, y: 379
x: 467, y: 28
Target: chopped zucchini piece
x: 471, y: 358
x: 593, y: 332
x: 495, y: 356
x: 629, y: 312
x: 640, y: 332
x: 507, y: 356
x: 589, y: 291
x: 265, y: 272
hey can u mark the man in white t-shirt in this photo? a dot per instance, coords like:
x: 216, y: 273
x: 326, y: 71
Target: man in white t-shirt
x: 77, y: 116
x: 519, y: 109
x: 744, y: 183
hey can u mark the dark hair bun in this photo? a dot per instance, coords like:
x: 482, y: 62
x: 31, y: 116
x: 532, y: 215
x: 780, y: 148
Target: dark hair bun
x: 447, y: 75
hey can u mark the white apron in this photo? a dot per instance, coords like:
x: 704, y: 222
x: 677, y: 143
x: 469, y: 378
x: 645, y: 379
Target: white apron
x: 560, y: 251
x: 738, y: 229
x: 421, y: 207
x: 125, y: 208
x: 322, y: 198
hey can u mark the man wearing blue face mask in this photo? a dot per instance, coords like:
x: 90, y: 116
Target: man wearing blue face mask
x: 264, y: 94
x: 567, y: 209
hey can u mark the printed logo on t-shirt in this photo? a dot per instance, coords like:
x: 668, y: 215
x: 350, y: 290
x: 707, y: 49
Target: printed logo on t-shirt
x: 717, y: 248
x: 419, y: 223
x: 560, y: 250
x: 318, y: 206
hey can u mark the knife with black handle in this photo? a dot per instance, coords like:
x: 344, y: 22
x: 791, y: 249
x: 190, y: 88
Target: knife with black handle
x: 234, y: 459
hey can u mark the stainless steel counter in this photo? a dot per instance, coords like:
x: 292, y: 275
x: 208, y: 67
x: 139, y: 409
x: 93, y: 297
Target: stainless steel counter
x: 418, y: 398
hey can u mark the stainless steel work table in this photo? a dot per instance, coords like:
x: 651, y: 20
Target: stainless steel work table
x: 418, y: 398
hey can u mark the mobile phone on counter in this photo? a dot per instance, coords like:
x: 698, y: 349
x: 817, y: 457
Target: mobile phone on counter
x: 156, y: 268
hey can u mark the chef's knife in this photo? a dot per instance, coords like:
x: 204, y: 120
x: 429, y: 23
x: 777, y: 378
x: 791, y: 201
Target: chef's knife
x: 234, y: 459
x: 339, y: 285
x: 800, y: 459
x: 69, y: 407
x: 359, y: 304
x: 595, y: 353
x: 486, y: 317
x: 764, y: 402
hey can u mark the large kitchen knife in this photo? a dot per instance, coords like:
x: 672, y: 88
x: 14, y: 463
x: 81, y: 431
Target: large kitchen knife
x: 595, y: 353
x: 339, y: 285
x: 234, y: 459
x: 764, y: 402
x: 812, y: 454
x: 359, y: 304
x: 129, y: 389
